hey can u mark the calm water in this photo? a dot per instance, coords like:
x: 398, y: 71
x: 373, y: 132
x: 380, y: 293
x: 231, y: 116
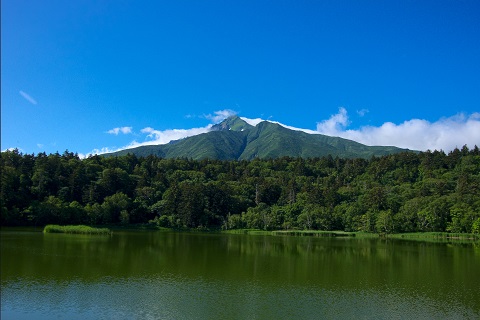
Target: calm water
x: 162, y: 275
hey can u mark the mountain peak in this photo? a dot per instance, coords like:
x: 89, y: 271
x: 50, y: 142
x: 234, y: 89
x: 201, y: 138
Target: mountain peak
x: 238, y: 138
x: 233, y: 123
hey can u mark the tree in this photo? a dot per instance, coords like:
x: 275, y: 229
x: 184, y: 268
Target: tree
x: 463, y: 218
x: 234, y: 221
x: 191, y: 205
x: 385, y: 222
x: 307, y: 219
x: 51, y: 210
x: 433, y: 216
x: 258, y: 217
x: 406, y: 192
x: 113, y: 206
x: 368, y: 221
x: 113, y: 181
x: 476, y: 226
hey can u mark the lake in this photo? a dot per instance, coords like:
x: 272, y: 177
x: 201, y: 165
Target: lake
x: 168, y: 275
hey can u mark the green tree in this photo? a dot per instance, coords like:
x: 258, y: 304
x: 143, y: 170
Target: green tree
x: 385, y: 222
x: 308, y: 218
x: 462, y: 218
x: 476, y: 226
x: 113, y: 206
x: 191, y: 205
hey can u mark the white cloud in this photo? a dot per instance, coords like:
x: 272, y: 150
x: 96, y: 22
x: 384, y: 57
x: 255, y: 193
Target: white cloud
x: 445, y: 134
x: 165, y: 136
x: 416, y: 134
x: 336, y: 122
x: 362, y: 112
x: 155, y: 137
x: 124, y: 130
x: 20, y: 150
x: 296, y: 129
x: 98, y: 151
x: 158, y: 137
x: 220, y: 115
x: 252, y: 122
x: 40, y: 145
x: 27, y: 97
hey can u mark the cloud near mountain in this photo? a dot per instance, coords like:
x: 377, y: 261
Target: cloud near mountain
x: 445, y: 134
x: 416, y: 134
x: 116, y: 131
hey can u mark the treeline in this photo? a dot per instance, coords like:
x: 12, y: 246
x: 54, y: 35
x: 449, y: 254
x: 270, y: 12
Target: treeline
x: 406, y: 192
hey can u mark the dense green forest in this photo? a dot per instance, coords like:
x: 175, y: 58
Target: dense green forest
x: 404, y: 192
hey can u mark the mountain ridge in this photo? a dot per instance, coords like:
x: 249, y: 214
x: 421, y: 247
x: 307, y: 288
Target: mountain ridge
x: 235, y: 139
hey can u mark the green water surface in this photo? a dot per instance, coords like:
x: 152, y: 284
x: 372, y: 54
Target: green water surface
x: 167, y: 275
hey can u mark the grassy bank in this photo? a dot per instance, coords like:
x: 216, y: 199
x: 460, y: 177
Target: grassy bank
x: 248, y: 231
x: 78, y: 229
x: 313, y: 233
x: 435, y: 236
x: 302, y: 233
x: 421, y: 236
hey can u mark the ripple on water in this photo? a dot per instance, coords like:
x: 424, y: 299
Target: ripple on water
x: 168, y: 296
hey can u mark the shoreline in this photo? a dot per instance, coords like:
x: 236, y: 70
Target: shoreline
x: 415, y: 236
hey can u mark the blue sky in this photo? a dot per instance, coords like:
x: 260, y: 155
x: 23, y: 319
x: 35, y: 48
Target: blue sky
x: 92, y: 75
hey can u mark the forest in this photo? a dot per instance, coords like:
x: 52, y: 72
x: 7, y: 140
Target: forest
x: 404, y: 192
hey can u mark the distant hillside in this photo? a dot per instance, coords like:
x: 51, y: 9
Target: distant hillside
x: 235, y: 139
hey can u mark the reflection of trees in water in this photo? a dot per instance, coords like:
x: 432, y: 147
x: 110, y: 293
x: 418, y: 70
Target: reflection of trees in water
x: 325, y: 261
x: 330, y: 263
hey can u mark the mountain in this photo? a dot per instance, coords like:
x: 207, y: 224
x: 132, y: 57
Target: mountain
x: 235, y: 139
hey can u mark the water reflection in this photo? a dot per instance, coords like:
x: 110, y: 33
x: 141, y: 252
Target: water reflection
x: 205, y: 276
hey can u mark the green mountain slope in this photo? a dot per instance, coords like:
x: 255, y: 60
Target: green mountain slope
x: 235, y: 139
